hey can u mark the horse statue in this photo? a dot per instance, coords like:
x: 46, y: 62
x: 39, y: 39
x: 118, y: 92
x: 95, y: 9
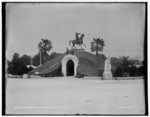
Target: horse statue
x: 77, y: 41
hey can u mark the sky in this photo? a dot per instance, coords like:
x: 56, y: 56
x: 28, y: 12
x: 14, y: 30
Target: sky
x: 120, y: 25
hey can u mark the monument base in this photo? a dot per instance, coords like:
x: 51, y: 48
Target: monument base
x: 77, y: 50
x: 26, y: 76
x: 107, y: 76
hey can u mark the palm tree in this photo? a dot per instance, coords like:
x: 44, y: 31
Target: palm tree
x: 126, y: 63
x: 97, y: 45
x: 44, y: 46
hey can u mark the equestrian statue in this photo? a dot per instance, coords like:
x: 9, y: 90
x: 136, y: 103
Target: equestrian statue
x: 78, y: 40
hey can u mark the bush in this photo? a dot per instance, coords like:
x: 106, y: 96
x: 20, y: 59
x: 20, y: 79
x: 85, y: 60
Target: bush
x: 119, y: 72
x: 30, y: 69
x: 133, y: 71
x: 23, y: 70
x: 18, y: 65
x: 100, y: 72
x: 126, y: 74
x: 79, y: 75
x: 141, y: 70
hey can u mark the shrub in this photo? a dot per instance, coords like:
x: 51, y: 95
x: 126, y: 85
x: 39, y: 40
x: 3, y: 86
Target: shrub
x: 126, y: 74
x: 79, y: 75
x: 119, y: 72
x: 133, y: 71
x: 100, y: 72
x: 141, y: 70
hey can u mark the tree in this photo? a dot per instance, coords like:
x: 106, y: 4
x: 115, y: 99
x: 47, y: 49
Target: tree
x: 23, y: 70
x: 133, y: 71
x: 36, y: 60
x: 119, y: 71
x: 30, y: 69
x: 126, y: 63
x: 44, y: 46
x: 18, y: 65
x: 9, y: 67
x: 25, y: 59
x: 53, y: 55
x: 15, y: 65
x: 15, y: 57
x: 141, y: 70
x: 97, y: 45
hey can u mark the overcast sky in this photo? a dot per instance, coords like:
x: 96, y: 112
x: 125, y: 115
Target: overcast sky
x: 121, y: 25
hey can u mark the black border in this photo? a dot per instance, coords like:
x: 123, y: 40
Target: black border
x: 145, y: 61
x: 3, y: 58
x: 3, y: 10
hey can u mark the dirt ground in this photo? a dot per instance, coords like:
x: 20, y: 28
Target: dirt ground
x: 74, y: 96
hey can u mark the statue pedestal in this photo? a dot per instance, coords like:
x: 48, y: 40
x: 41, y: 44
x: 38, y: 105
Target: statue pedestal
x: 107, y: 75
x: 26, y: 76
x: 77, y: 50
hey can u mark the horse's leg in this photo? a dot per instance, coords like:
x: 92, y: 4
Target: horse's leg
x: 73, y: 44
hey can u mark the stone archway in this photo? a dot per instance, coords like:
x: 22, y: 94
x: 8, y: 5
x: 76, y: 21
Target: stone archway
x: 69, y: 65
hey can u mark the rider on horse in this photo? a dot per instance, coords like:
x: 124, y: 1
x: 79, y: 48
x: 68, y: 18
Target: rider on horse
x: 78, y: 40
x: 77, y: 37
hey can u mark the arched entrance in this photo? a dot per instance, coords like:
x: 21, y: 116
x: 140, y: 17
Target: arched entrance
x: 70, y: 68
x: 69, y: 65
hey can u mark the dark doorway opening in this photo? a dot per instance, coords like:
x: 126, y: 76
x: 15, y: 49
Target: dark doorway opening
x: 70, y: 68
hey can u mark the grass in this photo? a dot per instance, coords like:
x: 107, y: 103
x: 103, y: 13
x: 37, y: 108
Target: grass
x: 89, y: 64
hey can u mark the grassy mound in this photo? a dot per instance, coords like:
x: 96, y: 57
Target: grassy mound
x: 89, y: 64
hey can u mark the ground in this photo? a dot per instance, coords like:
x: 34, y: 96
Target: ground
x: 74, y: 96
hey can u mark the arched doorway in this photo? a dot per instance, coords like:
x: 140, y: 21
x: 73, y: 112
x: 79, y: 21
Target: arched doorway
x: 70, y: 68
x: 69, y: 65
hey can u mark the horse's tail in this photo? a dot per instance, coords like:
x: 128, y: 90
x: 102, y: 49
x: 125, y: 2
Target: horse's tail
x: 70, y: 42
